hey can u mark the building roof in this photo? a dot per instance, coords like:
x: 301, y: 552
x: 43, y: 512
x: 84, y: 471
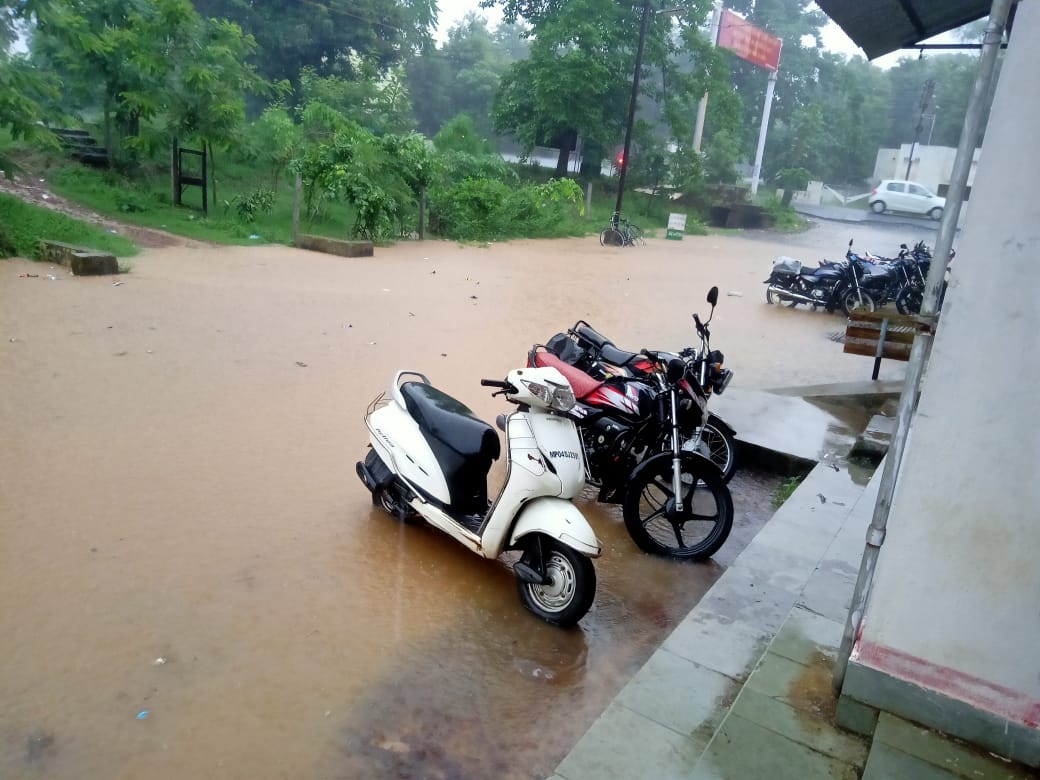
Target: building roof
x: 882, y: 26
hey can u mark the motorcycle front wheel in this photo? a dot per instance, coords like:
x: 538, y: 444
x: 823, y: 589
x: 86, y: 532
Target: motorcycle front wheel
x: 570, y: 587
x: 909, y: 301
x: 852, y: 301
x: 696, y: 532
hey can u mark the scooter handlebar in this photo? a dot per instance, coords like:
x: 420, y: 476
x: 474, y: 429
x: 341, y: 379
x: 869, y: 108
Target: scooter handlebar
x: 496, y: 383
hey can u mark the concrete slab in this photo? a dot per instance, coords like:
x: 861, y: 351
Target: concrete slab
x: 805, y: 635
x: 622, y: 745
x: 886, y: 763
x: 740, y: 597
x: 942, y: 752
x: 839, y: 392
x: 743, y: 749
x: 792, y: 683
x: 784, y: 424
x: 680, y: 695
x: 814, y: 733
x: 717, y: 643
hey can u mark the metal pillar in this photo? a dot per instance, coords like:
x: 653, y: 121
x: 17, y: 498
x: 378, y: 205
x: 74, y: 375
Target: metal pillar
x: 757, y: 172
x: 698, y: 128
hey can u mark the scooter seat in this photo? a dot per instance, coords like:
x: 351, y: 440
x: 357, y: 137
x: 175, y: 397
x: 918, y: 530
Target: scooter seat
x: 581, y: 383
x: 450, y: 422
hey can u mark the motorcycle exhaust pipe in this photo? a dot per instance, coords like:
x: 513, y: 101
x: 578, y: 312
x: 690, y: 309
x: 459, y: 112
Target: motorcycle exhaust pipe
x: 794, y: 296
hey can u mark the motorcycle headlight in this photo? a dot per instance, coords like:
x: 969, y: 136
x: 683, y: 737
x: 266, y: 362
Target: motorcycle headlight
x: 562, y: 399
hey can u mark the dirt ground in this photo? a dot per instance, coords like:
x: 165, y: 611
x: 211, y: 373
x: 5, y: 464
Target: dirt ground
x: 192, y: 579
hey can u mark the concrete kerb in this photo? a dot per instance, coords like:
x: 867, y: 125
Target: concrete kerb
x: 705, y: 662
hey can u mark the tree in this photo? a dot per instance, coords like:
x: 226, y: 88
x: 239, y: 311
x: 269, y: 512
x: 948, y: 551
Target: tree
x: 376, y: 100
x: 463, y: 75
x: 322, y: 34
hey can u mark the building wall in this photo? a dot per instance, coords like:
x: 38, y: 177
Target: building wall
x: 932, y: 166
x: 951, y: 635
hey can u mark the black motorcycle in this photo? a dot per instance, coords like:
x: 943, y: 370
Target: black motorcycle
x: 792, y: 283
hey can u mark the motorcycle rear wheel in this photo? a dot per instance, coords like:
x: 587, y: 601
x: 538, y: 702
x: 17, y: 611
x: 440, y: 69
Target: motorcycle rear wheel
x: 700, y: 529
x: 568, y: 595
x: 720, y: 448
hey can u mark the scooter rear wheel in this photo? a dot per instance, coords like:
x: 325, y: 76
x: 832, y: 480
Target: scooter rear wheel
x: 570, y: 589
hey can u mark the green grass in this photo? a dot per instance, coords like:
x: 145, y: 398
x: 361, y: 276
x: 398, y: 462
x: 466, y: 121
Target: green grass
x: 147, y: 201
x: 784, y: 490
x: 23, y: 226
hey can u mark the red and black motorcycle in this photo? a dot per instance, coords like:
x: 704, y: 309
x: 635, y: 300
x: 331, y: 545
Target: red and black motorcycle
x: 586, y: 348
x: 633, y: 428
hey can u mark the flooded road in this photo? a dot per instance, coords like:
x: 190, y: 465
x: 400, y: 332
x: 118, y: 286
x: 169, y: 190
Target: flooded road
x: 193, y: 582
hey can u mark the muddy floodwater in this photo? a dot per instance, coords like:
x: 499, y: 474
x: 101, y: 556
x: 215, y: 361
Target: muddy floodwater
x: 193, y: 582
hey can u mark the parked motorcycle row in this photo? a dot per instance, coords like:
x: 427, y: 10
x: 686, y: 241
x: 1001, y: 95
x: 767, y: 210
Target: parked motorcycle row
x: 634, y: 425
x: 858, y: 283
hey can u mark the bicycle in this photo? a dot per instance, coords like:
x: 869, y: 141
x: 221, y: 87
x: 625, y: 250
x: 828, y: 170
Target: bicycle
x: 621, y: 232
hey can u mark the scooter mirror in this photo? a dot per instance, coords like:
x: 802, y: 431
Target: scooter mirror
x: 676, y: 370
x: 713, y: 295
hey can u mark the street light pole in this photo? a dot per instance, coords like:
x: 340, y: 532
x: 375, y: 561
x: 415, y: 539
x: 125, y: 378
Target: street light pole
x: 632, y: 106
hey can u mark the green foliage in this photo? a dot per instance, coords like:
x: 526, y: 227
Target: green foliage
x: 259, y: 201
x: 322, y: 34
x: 376, y: 100
x: 488, y: 209
x: 792, y: 178
x: 785, y: 218
x: 354, y: 168
x: 21, y: 92
x: 784, y: 490
x: 459, y: 134
x: 721, y: 156
x: 23, y: 226
x: 462, y: 75
x: 456, y: 166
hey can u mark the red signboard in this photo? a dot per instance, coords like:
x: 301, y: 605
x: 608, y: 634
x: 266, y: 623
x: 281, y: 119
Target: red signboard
x: 748, y: 42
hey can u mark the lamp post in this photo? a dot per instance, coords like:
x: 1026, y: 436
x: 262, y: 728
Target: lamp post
x: 632, y: 107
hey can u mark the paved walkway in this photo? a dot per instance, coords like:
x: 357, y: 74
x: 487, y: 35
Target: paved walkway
x: 741, y: 689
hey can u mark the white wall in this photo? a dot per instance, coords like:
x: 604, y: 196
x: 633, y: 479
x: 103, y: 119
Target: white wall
x: 956, y: 602
x: 932, y: 165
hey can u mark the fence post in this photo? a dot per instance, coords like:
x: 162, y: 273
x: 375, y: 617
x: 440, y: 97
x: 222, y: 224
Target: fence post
x: 297, y: 196
x: 588, y: 199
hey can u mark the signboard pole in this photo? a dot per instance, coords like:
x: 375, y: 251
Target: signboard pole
x: 757, y: 172
x: 698, y: 128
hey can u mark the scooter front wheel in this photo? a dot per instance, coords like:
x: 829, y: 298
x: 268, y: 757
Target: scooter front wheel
x: 569, y: 587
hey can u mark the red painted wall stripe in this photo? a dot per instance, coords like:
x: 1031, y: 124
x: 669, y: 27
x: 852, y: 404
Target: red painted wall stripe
x: 981, y: 694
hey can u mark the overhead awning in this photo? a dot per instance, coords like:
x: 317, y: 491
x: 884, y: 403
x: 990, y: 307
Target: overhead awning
x: 882, y: 26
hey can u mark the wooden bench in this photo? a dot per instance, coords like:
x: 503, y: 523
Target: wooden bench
x: 885, y: 335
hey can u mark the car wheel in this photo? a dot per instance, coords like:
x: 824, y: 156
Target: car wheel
x: 936, y: 213
x: 878, y: 207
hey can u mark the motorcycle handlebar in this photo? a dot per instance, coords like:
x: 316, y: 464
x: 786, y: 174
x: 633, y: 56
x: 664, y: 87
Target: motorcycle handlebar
x: 495, y: 383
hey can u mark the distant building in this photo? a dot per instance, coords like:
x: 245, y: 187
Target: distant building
x: 932, y: 166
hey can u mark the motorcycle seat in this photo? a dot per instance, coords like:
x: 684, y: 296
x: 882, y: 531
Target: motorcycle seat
x: 593, y: 337
x: 581, y: 383
x: 617, y: 357
x: 451, y: 423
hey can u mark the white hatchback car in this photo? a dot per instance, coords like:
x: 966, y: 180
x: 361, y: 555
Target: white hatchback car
x: 909, y: 196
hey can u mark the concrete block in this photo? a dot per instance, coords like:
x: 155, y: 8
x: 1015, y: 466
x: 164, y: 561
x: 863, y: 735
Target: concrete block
x: 884, y: 763
x: 855, y: 716
x: 335, y: 246
x: 94, y: 264
x: 873, y: 442
x: 82, y: 260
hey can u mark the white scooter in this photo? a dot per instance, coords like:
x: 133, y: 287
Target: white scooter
x: 431, y: 456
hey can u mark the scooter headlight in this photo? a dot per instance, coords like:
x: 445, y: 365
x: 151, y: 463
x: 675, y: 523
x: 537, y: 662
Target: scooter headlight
x: 557, y: 397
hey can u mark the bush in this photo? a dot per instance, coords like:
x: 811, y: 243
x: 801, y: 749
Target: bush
x: 488, y: 209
